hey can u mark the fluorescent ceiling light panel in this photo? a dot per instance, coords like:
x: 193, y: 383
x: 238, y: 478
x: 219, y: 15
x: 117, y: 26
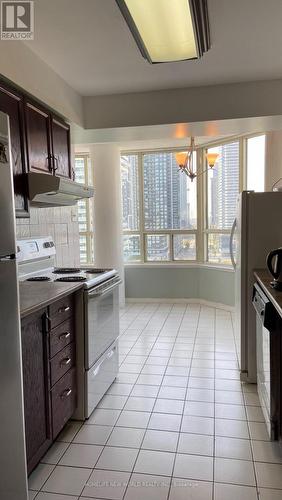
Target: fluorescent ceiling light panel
x: 168, y: 30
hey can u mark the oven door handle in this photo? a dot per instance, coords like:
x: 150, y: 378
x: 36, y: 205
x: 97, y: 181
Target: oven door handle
x: 105, y: 290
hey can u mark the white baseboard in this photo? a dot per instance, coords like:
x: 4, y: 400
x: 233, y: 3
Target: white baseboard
x: 201, y: 302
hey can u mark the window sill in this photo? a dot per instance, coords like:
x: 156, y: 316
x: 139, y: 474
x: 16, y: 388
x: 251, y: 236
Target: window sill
x: 180, y: 265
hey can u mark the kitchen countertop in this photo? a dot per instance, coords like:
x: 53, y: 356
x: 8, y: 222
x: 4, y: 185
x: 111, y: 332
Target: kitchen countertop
x: 264, y: 278
x: 35, y: 296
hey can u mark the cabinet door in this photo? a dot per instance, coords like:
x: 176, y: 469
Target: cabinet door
x: 11, y: 103
x: 36, y: 388
x: 38, y: 138
x: 61, y: 148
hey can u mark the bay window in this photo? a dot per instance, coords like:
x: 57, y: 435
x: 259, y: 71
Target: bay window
x: 169, y: 218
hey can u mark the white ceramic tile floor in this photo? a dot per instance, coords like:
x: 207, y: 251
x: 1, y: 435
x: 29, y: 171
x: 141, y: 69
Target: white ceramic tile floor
x: 176, y: 425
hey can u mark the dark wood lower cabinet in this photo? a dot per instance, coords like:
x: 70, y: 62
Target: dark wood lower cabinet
x: 49, y: 380
x: 37, y: 403
x: 63, y: 401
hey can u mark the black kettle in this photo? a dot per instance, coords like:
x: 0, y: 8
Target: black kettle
x: 274, y: 264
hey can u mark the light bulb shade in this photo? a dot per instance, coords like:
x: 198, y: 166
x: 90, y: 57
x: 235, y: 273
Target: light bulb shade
x: 212, y: 158
x: 168, y: 30
x: 181, y: 158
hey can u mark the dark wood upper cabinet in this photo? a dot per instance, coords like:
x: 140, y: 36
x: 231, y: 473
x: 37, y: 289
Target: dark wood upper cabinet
x: 61, y: 147
x: 36, y: 385
x: 40, y: 141
x: 11, y: 103
x: 38, y: 138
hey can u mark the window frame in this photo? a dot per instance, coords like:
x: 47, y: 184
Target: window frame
x: 206, y: 230
x: 143, y: 232
x: 202, y: 231
x: 89, y: 233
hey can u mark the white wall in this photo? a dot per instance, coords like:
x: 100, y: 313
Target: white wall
x: 107, y: 212
x: 194, y: 104
x: 24, y: 68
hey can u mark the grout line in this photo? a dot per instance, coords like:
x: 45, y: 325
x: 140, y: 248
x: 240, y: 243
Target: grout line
x: 214, y: 408
x: 198, y: 343
x: 140, y: 447
x: 177, y: 444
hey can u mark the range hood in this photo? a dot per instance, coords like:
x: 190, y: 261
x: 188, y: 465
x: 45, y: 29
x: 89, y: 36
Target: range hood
x: 53, y: 191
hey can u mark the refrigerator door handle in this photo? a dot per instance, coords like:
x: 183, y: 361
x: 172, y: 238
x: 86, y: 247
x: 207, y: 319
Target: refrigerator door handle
x: 231, y: 243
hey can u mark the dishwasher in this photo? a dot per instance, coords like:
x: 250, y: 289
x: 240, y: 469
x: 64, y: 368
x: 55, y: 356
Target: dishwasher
x: 268, y: 342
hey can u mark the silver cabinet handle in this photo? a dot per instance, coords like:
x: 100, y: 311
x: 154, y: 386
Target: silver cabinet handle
x: 64, y: 309
x: 65, y: 361
x: 105, y: 290
x: 64, y: 336
x: 66, y: 393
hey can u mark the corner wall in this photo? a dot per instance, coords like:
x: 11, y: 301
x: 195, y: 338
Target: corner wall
x: 204, y: 283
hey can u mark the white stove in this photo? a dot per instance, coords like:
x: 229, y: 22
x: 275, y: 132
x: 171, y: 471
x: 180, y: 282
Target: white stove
x: 98, y: 317
x: 36, y: 259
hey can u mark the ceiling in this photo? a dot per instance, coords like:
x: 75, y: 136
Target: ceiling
x: 88, y: 43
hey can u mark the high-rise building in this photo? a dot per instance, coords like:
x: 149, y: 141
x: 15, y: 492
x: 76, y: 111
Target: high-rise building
x: 224, y: 186
x: 169, y: 202
x: 130, y: 205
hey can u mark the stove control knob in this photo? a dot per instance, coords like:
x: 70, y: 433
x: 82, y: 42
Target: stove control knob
x: 46, y: 244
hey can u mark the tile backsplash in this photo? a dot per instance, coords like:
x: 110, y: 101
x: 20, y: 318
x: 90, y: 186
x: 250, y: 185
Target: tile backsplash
x: 59, y: 222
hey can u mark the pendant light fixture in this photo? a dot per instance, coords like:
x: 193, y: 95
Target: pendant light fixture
x: 168, y: 30
x: 185, y: 160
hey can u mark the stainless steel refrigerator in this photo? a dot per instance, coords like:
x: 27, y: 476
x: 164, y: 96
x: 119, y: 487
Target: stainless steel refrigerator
x: 256, y: 230
x: 13, y: 474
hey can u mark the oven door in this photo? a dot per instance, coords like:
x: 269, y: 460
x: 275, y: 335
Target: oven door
x: 101, y: 319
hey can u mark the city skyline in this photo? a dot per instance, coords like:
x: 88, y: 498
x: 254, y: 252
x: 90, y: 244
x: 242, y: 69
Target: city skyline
x: 170, y: 202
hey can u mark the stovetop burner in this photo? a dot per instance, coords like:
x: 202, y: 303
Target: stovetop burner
x: 66, y: 270
x: 95, y: 270
x: 71, y: 278
x: 39, y: 278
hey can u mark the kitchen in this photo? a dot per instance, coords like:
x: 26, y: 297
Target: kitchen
x: 177, y: 410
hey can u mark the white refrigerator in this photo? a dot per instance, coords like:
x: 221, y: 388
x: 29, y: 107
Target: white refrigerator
x: 13, y: 475
x: 256, y: 230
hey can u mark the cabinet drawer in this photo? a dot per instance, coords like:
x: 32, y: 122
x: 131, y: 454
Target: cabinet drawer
x: 61, y: 336
x: 63, y: 396
x: 61, y: 310
x: 62, y: 362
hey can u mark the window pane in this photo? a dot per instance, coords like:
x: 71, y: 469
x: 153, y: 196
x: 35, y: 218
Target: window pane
x: 157, y: 247
x: 83, y: 249
x: 184, y: 247
x: 223, y: 186
x: 80, y: 169
x: 255, y: 163
x: 218, y: 248
x: 82, y: 215
x: 130, y: 192
x: 131, y: 248
x: 170, y: 198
